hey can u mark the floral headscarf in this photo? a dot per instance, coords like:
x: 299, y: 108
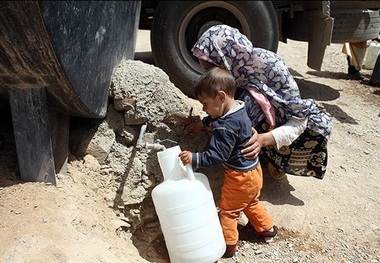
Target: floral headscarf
x: 261, y: 69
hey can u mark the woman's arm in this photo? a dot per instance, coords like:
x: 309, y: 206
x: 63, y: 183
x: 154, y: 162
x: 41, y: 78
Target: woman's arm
x: 280, y: 136
x: 289, y: 132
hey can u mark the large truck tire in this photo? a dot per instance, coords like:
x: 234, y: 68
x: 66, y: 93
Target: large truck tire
x: 352, y: 25
x: 355, y: 25
x: 57, y: 60
x: 176, y: 28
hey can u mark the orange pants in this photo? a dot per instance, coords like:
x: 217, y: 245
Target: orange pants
x: 240, y: 192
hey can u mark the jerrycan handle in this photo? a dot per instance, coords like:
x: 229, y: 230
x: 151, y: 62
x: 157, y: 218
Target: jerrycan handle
x: 187, y: 170
x: 190, y: 173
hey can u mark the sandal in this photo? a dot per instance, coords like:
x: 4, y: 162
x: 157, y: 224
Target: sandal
x: 275, y: 173
x: 230, y: 251
x: 269, y: 233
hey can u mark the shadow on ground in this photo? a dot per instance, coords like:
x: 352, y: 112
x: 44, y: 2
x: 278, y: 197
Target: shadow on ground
x: 278, y: 192
x: 145, y: 57
x: 316, y: 91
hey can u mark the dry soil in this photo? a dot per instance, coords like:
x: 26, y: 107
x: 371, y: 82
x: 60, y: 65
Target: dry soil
x: 336, y: 219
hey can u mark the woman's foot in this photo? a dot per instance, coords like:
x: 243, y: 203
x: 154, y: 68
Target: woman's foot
x: 230, y: 251
x: 275, y: 173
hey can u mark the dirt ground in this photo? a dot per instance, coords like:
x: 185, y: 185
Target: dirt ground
x: 336, y: 219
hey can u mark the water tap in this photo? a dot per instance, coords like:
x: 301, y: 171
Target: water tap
x: 158, y: 146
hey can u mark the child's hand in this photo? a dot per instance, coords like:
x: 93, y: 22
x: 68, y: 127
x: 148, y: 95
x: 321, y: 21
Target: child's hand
x: 186, y: 157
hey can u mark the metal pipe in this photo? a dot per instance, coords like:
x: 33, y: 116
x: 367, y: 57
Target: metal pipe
x: 141, y: 144
x: 140, y: 140
x: 155, y: 146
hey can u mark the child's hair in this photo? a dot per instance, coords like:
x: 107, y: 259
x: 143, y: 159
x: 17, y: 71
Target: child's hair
x: 215, y: 79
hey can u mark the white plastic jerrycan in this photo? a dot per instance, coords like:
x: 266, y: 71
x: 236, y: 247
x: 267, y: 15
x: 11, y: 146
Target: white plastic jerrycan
x: 373, y: 50
x: 187, y: 213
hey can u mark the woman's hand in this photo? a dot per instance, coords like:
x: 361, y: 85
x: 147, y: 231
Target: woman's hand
x: 186, y: 157
x: 195, y: 127
x: 253, y: 147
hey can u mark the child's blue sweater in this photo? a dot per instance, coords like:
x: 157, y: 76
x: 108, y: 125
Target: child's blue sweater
x: 229, y: 134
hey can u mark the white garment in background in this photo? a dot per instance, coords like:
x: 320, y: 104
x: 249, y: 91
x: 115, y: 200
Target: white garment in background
x: 355, y: 52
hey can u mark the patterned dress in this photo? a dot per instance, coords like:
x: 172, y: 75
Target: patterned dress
x: 266, y: 72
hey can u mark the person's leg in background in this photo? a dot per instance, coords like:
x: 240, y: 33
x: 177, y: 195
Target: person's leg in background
x: 351, y: 69
x: 355, y: 53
